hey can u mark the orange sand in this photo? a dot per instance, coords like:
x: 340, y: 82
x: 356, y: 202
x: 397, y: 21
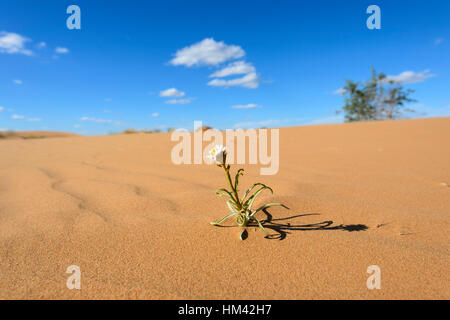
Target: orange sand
x: 138, y: 226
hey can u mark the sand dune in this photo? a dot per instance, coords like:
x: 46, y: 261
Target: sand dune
x: 138, y: 226
x: 34, y: 134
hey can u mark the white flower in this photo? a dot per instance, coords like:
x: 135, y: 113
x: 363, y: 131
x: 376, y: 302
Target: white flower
x: 216, y: 153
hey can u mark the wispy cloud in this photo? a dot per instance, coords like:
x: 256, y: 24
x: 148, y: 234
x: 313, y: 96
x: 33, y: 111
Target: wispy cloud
x: 155, y: 114
x: 98, y: 120
x: 179, y: 101
x: 1, y: 109
x: 406, y: 77
x: 438, y: 41
x: 250, y: 80
x: 61, y: 50
x: 409, y: 77
x: 175, y: 93
x: 21, y: 117
x: 340, y: 91
x: 246, y: 106
x: 206, y: 52
x: 16, y: 81
x: 13, y: 43
x: 238, y: 67
x: 41, y: 45
x: 172, y: 92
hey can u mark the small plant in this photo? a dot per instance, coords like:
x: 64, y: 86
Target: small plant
x: 239, y: 207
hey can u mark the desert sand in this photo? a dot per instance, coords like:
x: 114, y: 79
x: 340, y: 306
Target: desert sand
x: 137, y: 225
x: 34, y: 134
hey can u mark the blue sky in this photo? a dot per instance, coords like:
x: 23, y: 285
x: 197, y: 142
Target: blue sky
x: 232, y: 63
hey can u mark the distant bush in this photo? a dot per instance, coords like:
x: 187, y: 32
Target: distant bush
x: 129, y: 131
x: 376, y: 99
x: 7, y: 134
x: 146, y: 131
x: 204, y: 128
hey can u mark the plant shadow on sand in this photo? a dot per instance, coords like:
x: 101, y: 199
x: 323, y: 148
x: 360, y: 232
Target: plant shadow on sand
x: 284, y: 226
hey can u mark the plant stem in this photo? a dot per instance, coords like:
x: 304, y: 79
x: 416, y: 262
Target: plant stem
x: 227, y: 172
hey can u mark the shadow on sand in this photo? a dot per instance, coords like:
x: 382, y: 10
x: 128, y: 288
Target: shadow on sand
x: 284, y: 226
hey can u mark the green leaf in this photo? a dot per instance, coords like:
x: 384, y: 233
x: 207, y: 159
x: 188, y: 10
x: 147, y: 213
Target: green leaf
x: 236, y: 179
x: 224, y: 218
x: 266, y: 206
x: 224, y: 192
x: 261, y: 226
x: 250, y: 189
x: 232, y: 205
x: 250, y: 200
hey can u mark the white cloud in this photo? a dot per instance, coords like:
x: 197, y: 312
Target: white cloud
x: 41, y: 45
x: 13, y: 43
x: 438, y: 41
x: 77, y: 126
x: 246, y: 106
x: 19, y: 82
x: 97, y: 120
x: 108, y: 99
x: 180, y: 101
x: 207, y: 52
x: 20, y: 117
x: 1, y: 109
x: 155, y: 114
x: 238, y: 67
x: 340, y: 91
x: 409, y: 77
x: 172, y: 92
x: 250, y: 80
x: 61, y: 50
x: 212, y: 53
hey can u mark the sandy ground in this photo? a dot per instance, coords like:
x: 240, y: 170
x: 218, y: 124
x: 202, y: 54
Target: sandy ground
x: 138, y: 226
